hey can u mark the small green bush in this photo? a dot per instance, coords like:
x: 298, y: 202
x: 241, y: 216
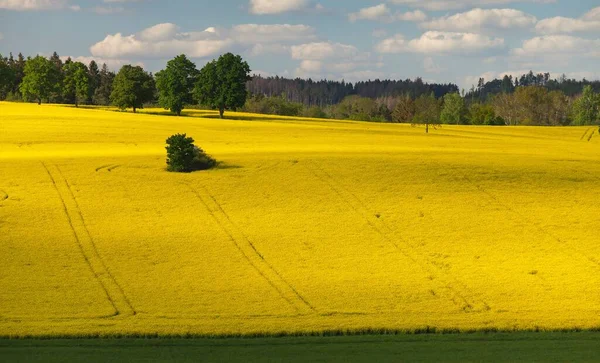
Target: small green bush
x: 183, y: 156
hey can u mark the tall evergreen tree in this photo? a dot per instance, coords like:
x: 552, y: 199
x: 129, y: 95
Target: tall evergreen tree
x: 94, y: 80
x: 104, y: 89
x: 7, y: 76
x: 56, y: 96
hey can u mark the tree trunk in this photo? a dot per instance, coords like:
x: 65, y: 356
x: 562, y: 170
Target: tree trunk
x: 221, y: 111
x: 39, y: 101
x: 426, y: 128
x: 134, y: 108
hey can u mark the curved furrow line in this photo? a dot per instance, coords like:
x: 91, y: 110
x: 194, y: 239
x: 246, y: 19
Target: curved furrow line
x: 462, y: 296
x: 250, y: 253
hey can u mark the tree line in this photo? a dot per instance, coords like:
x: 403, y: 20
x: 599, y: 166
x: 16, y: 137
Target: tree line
x: 225, y: 84
x: 220, y: 84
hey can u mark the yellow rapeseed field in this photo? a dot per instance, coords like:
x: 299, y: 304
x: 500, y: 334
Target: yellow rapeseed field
x: 306, y: 225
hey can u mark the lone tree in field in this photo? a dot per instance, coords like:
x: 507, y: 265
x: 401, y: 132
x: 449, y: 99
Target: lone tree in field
x: 183, y: 156
x: 222, y: 83
x: 76, y: 82
x: 586, y: 108
x: 427, y: 111
x: 40, y: 79
x: 175, y: 84
x: 132, y: 87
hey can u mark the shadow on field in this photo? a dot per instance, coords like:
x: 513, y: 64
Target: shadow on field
x: 222, y: 165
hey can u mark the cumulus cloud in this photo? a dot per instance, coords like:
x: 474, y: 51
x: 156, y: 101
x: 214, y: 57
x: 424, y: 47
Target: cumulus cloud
x: 323, y: 50
x: 167, y: 40
x: 478, y: 19
x: 262, y: 7
x: 383, y: 13
x: 438, y: 5
x: 589, y: 22
x: 112, y: 64
x: 377, y: 12
x: 558, y: 44
x: 108, y: 10
x: 330, y: 60
x: 435, y: 42
x: 33, y: 5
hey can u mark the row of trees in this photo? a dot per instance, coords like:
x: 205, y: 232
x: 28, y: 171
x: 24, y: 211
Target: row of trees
x: 225, y: 84
x: 221, y: 84
x: 52, y: 80
x: 325, y: 93
x: 527, y: 105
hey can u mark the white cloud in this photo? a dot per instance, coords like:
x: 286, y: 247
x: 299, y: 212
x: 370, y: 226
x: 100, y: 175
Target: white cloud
x: 329, y: 60
x: 477, y: 19
x: 113, y: 64
x: 108, y: 10
x: 32, y: 5
x: 377, y: 12
x: 558, y: 45
x: 311, y: 66
x: 159, y: 32
x: 416, y: 15
x: 434, y: 42
x: 589, y: 22
x: 256, y: 33
x: 383, y: 13
x: 167, y: 40
x: 323, y: 50
x: 438, y: 5
x: 262, y: 7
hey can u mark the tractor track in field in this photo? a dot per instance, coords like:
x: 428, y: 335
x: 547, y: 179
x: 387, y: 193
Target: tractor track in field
x: 112, y: 289
x: 3, y: 195
x: 250, y: 253
x: 554, y: 237
x: 459, y: 292
x: 108, y: 167
x: 585, y: 133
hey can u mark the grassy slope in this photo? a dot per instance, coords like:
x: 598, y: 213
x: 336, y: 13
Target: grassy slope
x: 307, y: 225
x: 514, y: 347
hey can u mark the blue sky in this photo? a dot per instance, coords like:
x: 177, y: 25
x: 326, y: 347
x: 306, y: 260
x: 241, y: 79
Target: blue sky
x: 439, y: 40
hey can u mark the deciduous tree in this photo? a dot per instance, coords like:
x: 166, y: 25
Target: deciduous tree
x: 132, y: 87
x: 222, y: 83
x: 427, y: 111
x: 453, y: 109
x: 175, y: 84
x: 76, y: 83
x: 586, y: 107
x: 40, y: 79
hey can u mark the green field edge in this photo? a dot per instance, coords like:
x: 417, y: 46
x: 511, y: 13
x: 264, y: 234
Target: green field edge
x: 316, y: 333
